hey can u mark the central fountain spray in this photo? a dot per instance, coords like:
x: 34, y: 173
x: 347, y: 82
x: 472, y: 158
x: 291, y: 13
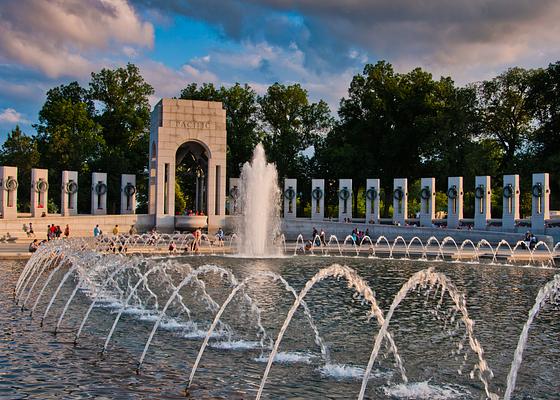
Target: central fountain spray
x: 259, y: 224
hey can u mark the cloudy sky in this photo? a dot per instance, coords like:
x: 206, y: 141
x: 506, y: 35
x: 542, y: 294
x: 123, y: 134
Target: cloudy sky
x: 318, y: 43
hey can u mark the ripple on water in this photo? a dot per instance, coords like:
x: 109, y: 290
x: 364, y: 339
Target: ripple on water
x: 425, y: 390
x: 351, y: 372
x: 288, y: 357
x: 236, y: 345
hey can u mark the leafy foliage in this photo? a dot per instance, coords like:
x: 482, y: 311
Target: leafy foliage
x: 20, y: 150
x: 389, y: 125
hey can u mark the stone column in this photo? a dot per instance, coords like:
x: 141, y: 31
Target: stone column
x: 540, y: 192
x: 400, y: 201
x: 510, y: 213
x: 153, y: 167
x: 317, y: 199
x: 39, y: 192
x: 372, y: 201
x: 344, y: 199
x: 234, y: 196
x: 128, y: 194
x: 290, y: 198
x: 482, y: 202
x: 221, y: 190
x: 216, y: 191
x: 427, y: 201
x: 454, y: 201
x: 211, y: 189
x: 69, y: 193
x: 99, y: 193
x: 9, y: 185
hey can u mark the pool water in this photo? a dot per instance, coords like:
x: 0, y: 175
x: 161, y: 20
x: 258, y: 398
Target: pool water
x: 428, y: 332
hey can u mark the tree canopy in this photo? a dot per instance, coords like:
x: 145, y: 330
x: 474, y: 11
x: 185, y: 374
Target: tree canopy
x: 390, y: 124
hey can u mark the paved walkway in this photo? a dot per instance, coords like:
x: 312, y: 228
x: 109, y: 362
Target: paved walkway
x: 14, y: 251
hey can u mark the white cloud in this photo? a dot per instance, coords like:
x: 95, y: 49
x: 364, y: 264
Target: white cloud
x: 264, y: 64
x: 9, y: 115
x: 130, y: 52
x: 466, y: 39
x: 65, y: 38
x: 168, y: 82
x: 261, y: 64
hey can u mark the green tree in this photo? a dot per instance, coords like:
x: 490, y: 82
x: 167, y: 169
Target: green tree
x: 20, y: 150
x: 240, y: 103
x: 180, y: 201
x: 390, y: 126
x: 291, y: 124
x: 124, y: 115
x: 545, y: 99
x: 456, y: 148
x: 205, y: 92
x: 506, y: 113
x: 68, y: 137
x: 243, y: 132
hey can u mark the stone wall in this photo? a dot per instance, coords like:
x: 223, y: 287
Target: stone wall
x: 79, y: 225
x: 292, y: 229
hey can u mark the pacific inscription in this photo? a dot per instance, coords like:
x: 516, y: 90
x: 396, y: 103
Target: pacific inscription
x: 193, y: 124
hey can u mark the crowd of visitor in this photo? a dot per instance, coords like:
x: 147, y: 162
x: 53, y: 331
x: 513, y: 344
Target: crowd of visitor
x: 191, y: 213
x: 54, y: 232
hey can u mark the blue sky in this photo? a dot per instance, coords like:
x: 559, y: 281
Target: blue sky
x: 318, y: 43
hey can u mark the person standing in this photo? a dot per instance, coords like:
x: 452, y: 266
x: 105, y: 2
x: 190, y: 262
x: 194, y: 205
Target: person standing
x: 132, y: 230
x: 96, y: 231
x: 323, y: 237
x: 220, y: 236
x: 31, y: 232
x: 67, y: 231
x: 52, y: 231
x: 196, y: 241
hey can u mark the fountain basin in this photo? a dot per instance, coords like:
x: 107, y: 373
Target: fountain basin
x: 190, y: 222
x: 427, y: 330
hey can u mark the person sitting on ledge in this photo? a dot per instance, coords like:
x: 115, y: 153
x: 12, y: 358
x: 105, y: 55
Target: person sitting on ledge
x: 530, y: 240
x: 33, y: 246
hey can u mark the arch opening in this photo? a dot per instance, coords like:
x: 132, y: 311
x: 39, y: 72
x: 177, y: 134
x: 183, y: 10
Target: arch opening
x: 191, y: 179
